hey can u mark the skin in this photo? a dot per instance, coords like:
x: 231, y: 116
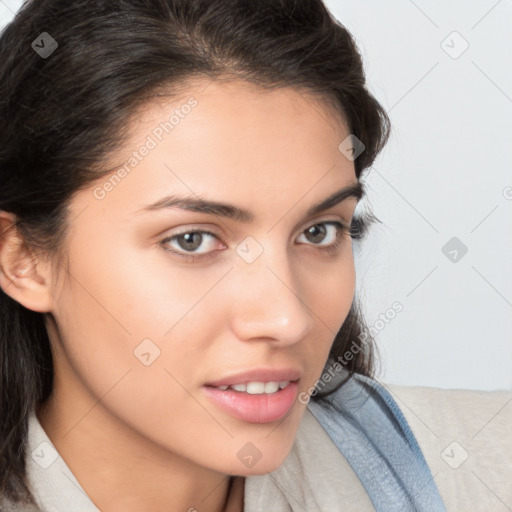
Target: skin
x: 137, y: 437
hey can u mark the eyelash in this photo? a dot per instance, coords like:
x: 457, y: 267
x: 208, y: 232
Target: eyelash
x: 356, y: 231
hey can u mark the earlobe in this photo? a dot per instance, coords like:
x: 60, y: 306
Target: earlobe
x: 22, y: 276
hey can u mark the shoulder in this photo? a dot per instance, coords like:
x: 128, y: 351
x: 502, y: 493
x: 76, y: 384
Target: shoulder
x: 368, y: 427
x: 466, y: 439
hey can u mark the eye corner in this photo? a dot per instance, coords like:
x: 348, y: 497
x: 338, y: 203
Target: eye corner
x: 361, y: 224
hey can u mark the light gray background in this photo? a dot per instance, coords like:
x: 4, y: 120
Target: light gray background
x: 446, y: 172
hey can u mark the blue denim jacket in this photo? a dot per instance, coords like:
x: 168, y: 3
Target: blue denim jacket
x: 367, y: 426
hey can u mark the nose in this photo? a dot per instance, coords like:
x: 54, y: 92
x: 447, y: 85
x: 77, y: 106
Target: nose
x: 267, y: 302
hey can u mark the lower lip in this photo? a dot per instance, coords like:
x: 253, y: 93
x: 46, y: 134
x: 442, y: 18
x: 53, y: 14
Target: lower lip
x: 263, y: 408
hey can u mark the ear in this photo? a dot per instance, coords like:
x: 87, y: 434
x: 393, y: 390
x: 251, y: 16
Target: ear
x: 22, y: 276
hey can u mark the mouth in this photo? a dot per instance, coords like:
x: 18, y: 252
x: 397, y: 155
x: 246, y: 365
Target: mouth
x: 254, y: 401
x: 255, y: 387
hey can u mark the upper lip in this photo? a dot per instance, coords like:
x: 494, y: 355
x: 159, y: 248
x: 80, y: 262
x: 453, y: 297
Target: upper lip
x: 258, y: 375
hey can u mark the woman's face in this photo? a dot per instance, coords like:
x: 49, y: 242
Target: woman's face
x: 146, y: 316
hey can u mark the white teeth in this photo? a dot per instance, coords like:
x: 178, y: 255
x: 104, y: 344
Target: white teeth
x: 257, y: 388
x: 271, y: 387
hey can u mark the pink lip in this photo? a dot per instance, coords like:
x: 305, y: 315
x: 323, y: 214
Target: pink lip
x: 264, y: 408
x: 258, y: 375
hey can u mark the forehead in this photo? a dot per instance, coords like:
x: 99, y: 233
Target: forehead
x: 208, y: 114
x: 229, y: 140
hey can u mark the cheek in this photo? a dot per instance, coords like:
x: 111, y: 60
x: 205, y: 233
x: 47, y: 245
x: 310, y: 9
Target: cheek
x: 132, y: 316
x: 113, y: 338
x: 330, y: 289
x: 330, y: 294
x: 121, y: 304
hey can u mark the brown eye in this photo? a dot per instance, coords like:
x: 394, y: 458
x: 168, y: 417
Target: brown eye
x: 316, y: 233
x: 190, y: 241
x: 185, y: 244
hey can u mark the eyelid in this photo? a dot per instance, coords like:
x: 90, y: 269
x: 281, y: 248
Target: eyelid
x: 356, y: 230
x: 198, y: 228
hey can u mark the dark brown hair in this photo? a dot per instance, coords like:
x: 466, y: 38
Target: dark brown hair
x: 63, y: 114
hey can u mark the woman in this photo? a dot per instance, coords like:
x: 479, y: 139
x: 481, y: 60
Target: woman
x: 179, y: 329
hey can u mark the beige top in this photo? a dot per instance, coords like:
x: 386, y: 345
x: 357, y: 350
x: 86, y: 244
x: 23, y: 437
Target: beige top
x: 466, y: 438
x: 294, y: 486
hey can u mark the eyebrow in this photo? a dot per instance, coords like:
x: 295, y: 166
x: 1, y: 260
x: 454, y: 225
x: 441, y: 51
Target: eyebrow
x: 242, y: 215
